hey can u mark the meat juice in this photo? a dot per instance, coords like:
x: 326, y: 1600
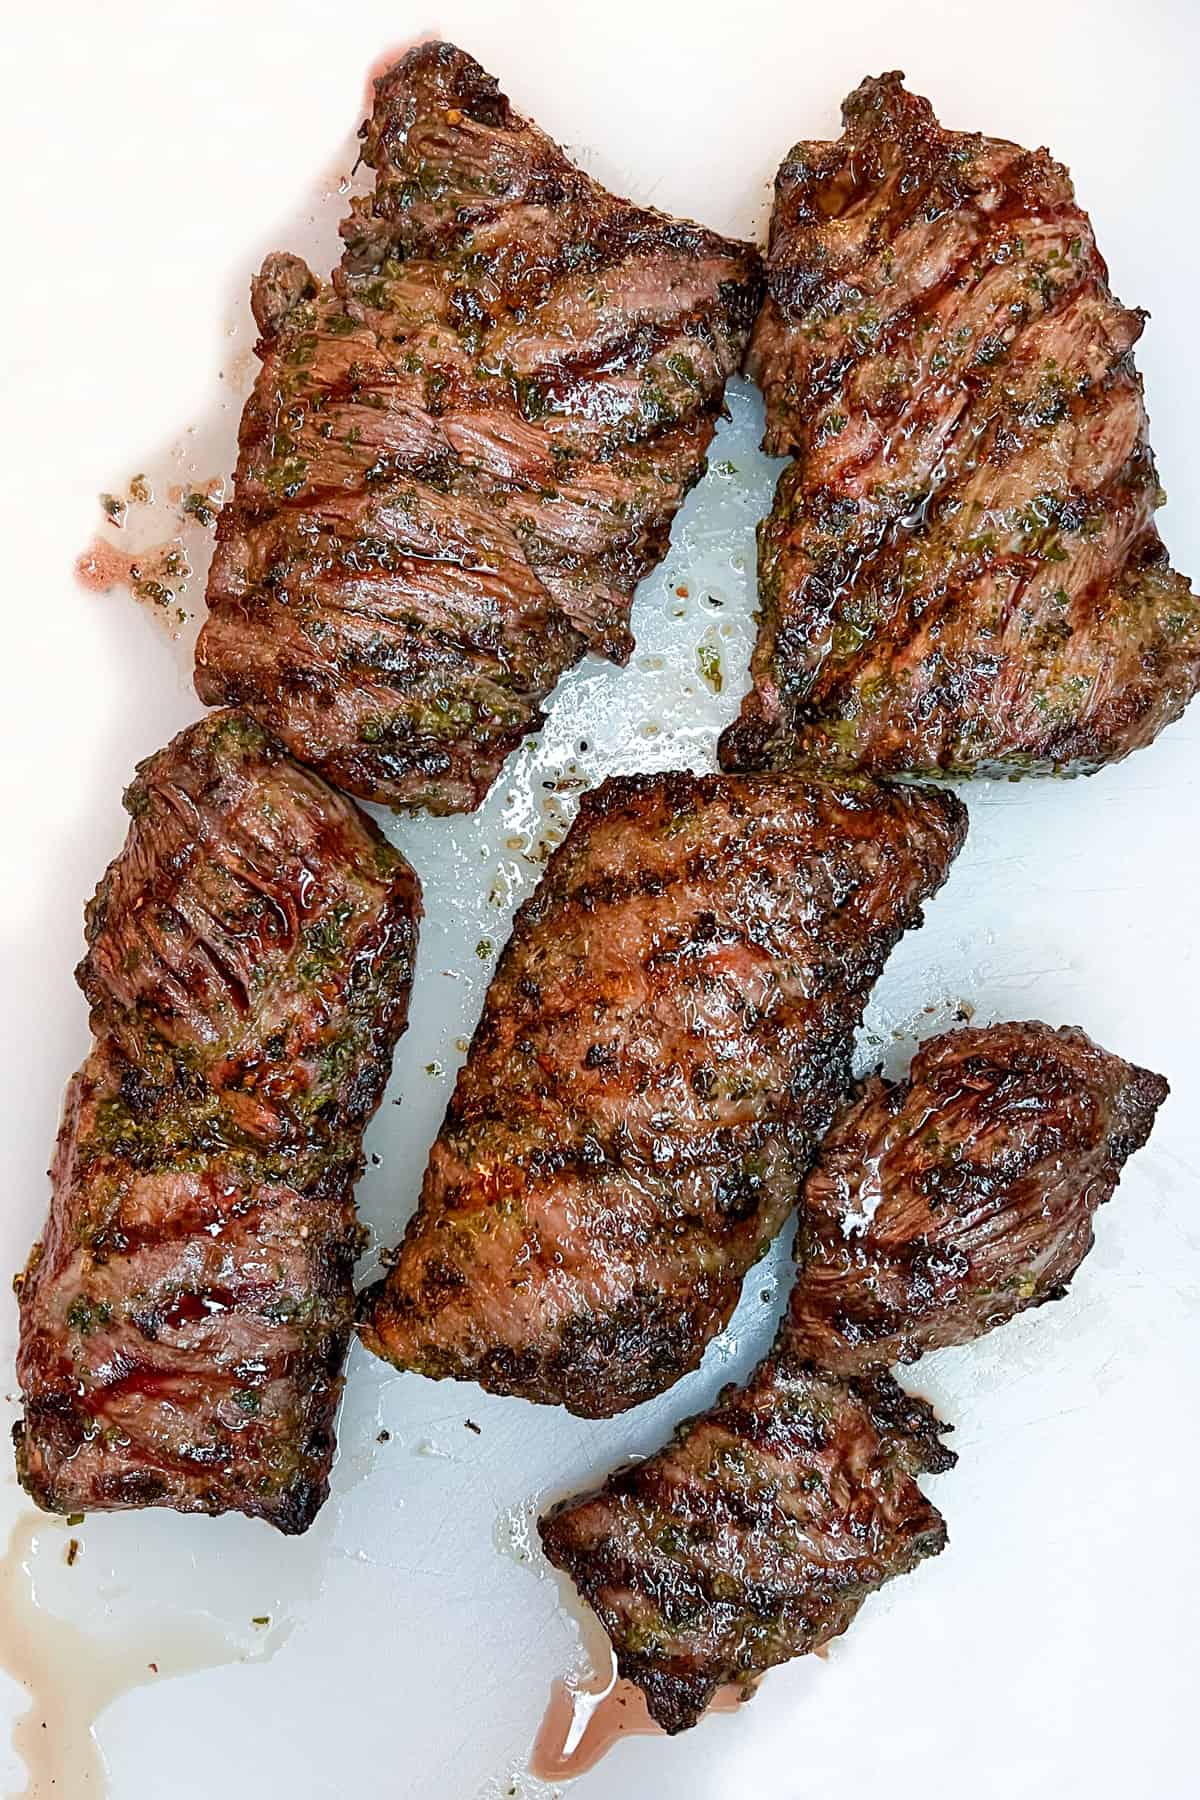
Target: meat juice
x: 582, y: 1723
x: 73, y: 1676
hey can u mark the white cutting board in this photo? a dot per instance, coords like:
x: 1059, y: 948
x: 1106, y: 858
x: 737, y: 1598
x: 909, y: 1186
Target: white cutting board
x: 154, y: 152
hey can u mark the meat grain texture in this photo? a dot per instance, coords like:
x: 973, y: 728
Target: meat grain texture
x: 961, y: 572
x: 943, y: 1205
x: 757, y: 1534
x: 666, y: 1038
x: 464, y: 451
x: 185, y: 1317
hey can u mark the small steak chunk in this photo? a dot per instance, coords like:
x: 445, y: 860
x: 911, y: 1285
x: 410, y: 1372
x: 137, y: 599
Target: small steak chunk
x: 466, y: 449
x: 961, y: 572
x: 185, y: 1318
x: 665, y: 1041
x: 947, y: 1203
x: 757, y: 1534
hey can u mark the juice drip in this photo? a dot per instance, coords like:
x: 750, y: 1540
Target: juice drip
x: 157, y: 574
x: 582, y: 1723
x: 73, y: 1675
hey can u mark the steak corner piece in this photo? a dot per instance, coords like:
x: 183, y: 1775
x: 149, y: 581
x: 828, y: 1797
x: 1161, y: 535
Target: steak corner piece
x: 947, y: 1203
x: 466, y: 449
x: 961, y: 573
x: 185, y: 1317
x: 666, y: 1038
x: 757, y: 1534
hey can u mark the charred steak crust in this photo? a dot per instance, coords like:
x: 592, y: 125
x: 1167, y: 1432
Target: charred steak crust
x: 666, y: 1038
x: 945, y: 1204
x: 961, y: 572
x: 758, y: 1532
x: 185, y: 1317
x: 466, y: 449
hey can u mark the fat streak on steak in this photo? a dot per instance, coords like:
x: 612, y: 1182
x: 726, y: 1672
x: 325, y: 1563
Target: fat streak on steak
x: 757, y: 1534
x: 945, y: 1204
x: 185, y: 1317
x: 961, y: 572
x: 463, y: 452
x: 666, y: 1038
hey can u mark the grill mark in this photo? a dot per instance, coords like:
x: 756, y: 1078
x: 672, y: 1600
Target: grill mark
x: 951, y: 586
x: 987, y: 1165
x: 162, y: 1174
x: 308, y: 321
x: 813, y: 698
x: 614, y: 1156
x: 717, y: 1558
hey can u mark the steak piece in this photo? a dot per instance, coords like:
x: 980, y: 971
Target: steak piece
x: 757, y: 1534
x: 463, y: 452
x: 943, y: 1205
x: 185, y: 1318
x: 665, y: 1041
x: 961, y: 572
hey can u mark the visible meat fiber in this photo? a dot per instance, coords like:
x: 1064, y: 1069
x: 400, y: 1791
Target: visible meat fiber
x: 464, y: 452
x: 961, y: 572
x: 666, y: 1038
x: 185, y: 1318
x: 944, y: 1204
x: 757, y: 1534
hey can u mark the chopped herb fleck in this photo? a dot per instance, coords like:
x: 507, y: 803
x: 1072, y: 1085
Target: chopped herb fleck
x: 199, y: 507
x: 710, y: 666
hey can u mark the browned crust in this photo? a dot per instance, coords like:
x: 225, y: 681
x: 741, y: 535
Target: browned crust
x: 665, y: 1039
x: 947, y: 1203
x: 960, y: 574
x: 184, y: 1319
x: 464, y: 451
x: 756, y: 1534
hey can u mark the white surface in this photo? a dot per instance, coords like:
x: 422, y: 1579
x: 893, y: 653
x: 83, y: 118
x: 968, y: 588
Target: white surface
x: 154, y: 151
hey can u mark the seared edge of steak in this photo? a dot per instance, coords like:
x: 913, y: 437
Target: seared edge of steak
x: 465, y: 450
x: 185, y: 1317
x: 665, y: 1039
x: 945, y: 1204
x: 756, y: 1534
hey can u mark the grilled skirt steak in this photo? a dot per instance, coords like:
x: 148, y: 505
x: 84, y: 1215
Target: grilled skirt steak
x: 943, y: 1205
x: 667, y: 1037
x: 185, y: 1318
x: 757, y: 1534
x: 463, y: 452
x: 961, y: 572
